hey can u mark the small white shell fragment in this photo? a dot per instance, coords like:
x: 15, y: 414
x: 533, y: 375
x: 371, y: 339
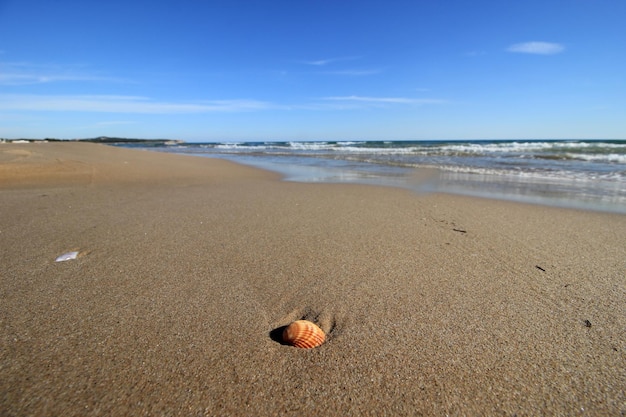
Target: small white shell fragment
x: 66, y: 257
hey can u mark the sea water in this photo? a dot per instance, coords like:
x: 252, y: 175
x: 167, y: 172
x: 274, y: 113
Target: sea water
x: 588, y: 174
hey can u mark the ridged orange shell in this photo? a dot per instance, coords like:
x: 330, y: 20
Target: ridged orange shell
x: 303, y: 334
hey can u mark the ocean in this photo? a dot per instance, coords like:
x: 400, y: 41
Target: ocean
x: 585, y: 174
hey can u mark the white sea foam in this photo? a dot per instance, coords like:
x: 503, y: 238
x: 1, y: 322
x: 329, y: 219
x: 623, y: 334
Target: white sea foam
x: 529, y: 146
x: 312, y: 146
x: 613, y: 157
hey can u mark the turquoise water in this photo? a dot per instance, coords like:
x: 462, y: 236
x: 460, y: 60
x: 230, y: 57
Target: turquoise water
x: 588, y: 174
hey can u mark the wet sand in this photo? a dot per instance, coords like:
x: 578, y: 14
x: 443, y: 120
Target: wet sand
x: 433, y: 304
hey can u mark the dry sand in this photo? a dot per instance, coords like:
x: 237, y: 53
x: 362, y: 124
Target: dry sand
x: 433, y: 304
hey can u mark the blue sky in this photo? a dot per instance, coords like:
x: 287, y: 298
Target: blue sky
x: 232, y: 70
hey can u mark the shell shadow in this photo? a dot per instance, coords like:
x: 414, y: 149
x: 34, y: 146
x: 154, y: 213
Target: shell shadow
x: 277, y: 335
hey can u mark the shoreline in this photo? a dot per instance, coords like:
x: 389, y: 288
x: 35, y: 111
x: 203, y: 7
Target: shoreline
x: 429, y: 179
x: 432, y: 304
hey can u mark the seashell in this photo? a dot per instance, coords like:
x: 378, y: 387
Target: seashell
x: 303, y: 334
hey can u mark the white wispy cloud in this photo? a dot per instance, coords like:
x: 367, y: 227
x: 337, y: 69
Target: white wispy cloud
x: 115, y: 123
x: 384, y: 100
x: 354, y: 102
x: 322, y: 62
x: 122, y: 104
x: 24, y: 73
x: 354, y: 72
x: 23, y: 79
x: 344, y: 71
x: 539, y: 48
x: 319, y: 62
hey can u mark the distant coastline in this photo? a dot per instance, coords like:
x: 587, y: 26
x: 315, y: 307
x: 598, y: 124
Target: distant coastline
x: 99, y: 139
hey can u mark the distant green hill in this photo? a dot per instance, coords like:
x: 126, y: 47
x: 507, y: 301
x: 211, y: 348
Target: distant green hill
x: 106, y: 139
x: 101, y: 139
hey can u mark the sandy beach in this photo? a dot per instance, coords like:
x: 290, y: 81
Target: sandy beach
x: 432, y: 304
